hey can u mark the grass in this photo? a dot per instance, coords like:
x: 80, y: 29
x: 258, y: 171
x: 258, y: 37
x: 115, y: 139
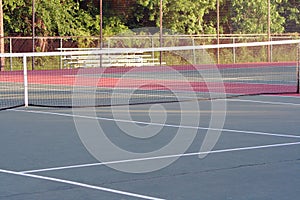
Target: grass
x: 40, y: 63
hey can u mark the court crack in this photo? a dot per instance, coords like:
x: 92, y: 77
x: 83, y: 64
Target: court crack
x: 205, y: 171
x: 61, y: 188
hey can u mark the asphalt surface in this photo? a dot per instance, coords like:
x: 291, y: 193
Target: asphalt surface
x: 256, y: 154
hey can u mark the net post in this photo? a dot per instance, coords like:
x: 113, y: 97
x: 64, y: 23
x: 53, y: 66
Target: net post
x: 297, y: 68
x: 25, y: 81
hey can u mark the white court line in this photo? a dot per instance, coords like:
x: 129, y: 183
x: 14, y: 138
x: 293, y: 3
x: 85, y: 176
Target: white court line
x: 265, y: 102
x: 160, y: 124
x: 163, y: 157
x: 283, y: 96
x: 80, y: 185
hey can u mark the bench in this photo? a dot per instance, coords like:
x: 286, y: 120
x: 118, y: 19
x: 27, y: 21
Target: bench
x: 111, y: 60
x: 108, y: 61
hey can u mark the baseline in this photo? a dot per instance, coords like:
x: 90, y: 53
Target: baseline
x: 80, y: 185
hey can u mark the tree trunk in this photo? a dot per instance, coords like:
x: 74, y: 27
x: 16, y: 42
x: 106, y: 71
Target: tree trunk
x: 2, y: 60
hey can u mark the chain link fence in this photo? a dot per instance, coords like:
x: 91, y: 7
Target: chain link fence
x: 50, y: 44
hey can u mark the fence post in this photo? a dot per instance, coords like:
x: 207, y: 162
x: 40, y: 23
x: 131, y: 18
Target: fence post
x: 152, y: 46
x: 271, y: 51
x: 2, y: 59
x: 61, y: 46
x: 10, y: 51
x: 194, y: 53
x: 234, y: 56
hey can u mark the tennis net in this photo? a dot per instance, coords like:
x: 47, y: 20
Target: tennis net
x: 122, y: 76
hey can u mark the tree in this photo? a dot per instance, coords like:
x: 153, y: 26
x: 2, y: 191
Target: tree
x: 290, y: 10
x: 52, y: 18
x: 237, y: 16
x: 55, y: 17
x: 251, y: 16
x: 63, y: 17
x: 17, y: 17
x: 187, y: 16
x: 182, y: 16
x: 81, y: 17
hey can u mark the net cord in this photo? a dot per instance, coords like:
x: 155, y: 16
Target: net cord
x: 157, y: 49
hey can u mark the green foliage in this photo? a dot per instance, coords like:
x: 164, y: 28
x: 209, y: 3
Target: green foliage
x: 251, y: 16
x: 55, y: 17
x: 113, y: 26
x: 17, y: 17
x: 62, y: 18
x: 182, y: 16
x: 81, y: 17
x: 290, y: 10
x: 187, y: 16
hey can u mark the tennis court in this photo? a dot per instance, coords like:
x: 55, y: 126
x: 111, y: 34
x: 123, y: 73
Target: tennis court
x: 256, y: 156
x: 181, y: 131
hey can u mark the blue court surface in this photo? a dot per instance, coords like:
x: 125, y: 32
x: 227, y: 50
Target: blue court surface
x: 239, y: 148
